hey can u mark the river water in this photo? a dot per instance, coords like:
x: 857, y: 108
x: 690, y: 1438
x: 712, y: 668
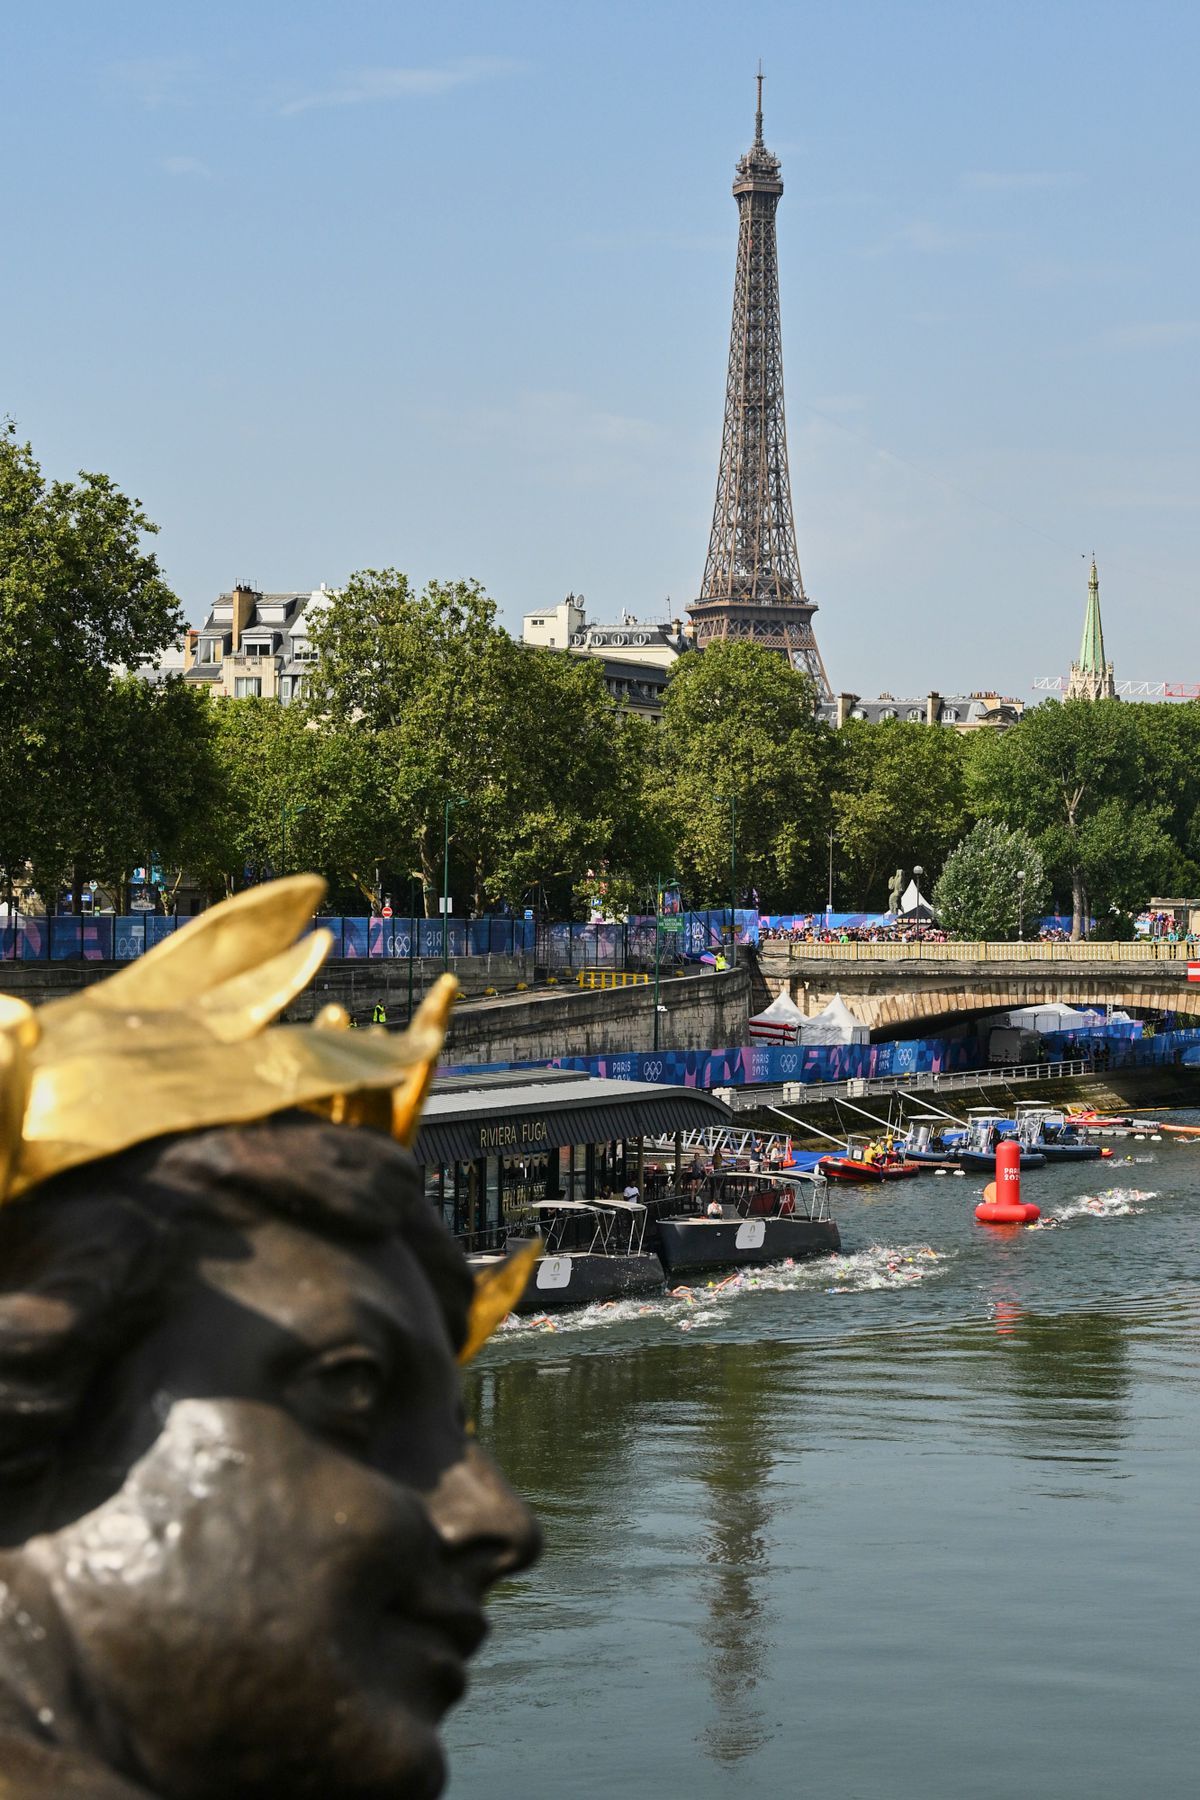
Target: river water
x: 915, y: 1522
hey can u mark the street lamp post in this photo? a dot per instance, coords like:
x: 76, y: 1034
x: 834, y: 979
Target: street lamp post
x: 657, y: 941
x: 1020, y: 906
x: 446, y: 889
x: 732, y: 799
x: 829, y: 900
x: 918, y: 871
x: 659, y: 886
x: 412, y: 933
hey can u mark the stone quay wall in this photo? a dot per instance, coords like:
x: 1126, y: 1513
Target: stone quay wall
x: 701, y: 1009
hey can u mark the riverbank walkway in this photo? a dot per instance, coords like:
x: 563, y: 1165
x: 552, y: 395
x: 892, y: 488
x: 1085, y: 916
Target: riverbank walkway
x: 812, y: 1094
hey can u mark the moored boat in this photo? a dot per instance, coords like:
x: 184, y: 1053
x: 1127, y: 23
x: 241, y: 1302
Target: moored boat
x: 743, y: 1221
x: 930, y: 1142
x: 591, y: 1250
x: 861, y: 1161
x: 1046, y: 1130
x: 985, y: 1129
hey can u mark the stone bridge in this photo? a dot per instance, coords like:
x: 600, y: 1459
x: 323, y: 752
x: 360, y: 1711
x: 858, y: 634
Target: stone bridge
x: 900, y: 993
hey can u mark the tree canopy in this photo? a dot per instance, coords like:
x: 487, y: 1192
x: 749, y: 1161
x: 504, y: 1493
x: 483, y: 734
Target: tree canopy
x: 80, y: 596
x: 900, y: 801
x: 742, y: 762
x: 1078, y: 778
x: 993, y: 885
x: 525, y: 746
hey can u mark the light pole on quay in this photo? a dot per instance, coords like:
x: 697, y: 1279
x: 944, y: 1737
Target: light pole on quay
x: 446, y: 887
x: 658, y: 906
x: 1020, y: 906
x: 414, y: 876
x: 732, y: 799
x: 918, y: 871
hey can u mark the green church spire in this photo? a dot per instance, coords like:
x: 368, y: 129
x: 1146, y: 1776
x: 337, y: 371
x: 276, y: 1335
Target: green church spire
x: 1091, y: 651
x: 1091, y: 676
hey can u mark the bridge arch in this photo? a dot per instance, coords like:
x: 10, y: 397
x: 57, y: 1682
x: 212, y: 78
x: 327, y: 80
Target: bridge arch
x: 904, y: 1001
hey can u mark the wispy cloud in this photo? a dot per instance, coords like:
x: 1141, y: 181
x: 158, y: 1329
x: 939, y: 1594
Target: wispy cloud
x: 1017, y: 181
x: 154, y: 81
x: 836, y: 403
x: 555, y: 437
x: 645, y: 239
x: 1048, y: 272
x: 928, y: 239
x: 364, y: 86
x: 1152, y: 334
x: 187, y: 165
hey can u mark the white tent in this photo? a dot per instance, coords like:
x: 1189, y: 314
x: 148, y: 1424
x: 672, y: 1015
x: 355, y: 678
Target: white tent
x: 835, y: 1025
x: 778, y: 1023
x: 1052, y: 1017
x: 914, y: 905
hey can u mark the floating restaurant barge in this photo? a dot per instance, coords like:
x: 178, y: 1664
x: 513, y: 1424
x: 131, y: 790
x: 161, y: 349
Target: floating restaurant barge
x: 565, y: 1156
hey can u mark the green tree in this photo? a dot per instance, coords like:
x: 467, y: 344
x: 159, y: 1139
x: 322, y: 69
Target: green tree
x: 1076, y: 776
x: 1169, y: 738
x: 739, y: 726
x: 993, y: 885
x: 524, y: 744
x: 900, y: 800
x: 79, y: 595
x: 294, y: 796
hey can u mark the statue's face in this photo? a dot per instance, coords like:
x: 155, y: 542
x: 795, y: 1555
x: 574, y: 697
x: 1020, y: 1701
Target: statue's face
x: 283, y: 1593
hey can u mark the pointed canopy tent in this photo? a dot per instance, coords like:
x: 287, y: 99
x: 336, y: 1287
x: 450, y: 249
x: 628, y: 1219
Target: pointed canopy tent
x: 778, y: 1023
x: 914, y: 905
x: 835, y: 1025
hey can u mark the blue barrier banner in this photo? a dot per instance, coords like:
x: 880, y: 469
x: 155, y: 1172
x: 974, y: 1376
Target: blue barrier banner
x: 158, y: 928
x: 103, y: 937
x: 65, y: 939
x: 750, y: 1064
x: 356, y: 937
x: 1115, y: 1047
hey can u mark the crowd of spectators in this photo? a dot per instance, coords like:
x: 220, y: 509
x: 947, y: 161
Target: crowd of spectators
x: 811, y: 929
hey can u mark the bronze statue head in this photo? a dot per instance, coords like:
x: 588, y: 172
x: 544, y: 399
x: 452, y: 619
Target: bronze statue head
x: 246, y: 1531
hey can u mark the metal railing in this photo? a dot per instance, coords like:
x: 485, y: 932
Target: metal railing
x: 1155, y: 951
x: 610, y: 978
x: 818, y: 1093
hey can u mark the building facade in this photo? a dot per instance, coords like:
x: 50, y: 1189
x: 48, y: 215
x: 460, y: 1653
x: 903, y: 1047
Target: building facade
x: 959, y: 712
x: 252, y: 645
x: 637, y: 655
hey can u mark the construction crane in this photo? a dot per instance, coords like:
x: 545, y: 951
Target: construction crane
x: 1130, y: 690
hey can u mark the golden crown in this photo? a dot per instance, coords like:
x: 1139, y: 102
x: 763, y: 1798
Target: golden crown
x: 178, y: 1041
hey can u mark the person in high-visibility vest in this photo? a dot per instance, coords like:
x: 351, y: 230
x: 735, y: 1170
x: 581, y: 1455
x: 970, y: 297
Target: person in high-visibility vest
x: 719, y: 961
x: 379, y: 1014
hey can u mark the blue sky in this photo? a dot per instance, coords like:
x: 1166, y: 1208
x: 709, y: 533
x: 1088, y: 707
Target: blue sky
x: 333, y: 287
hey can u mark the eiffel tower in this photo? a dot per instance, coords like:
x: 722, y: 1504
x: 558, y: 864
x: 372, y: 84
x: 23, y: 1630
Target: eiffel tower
x: 752, y: 585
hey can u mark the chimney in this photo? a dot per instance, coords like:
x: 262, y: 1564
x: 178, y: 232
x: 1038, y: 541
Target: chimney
x: 933, y: 708
x: 845, y: 703
x: 243, y: 597
x: 191, y: 638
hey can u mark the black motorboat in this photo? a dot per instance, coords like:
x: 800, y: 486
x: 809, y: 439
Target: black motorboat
x: 736, y: 1221
x: 591, y: 1250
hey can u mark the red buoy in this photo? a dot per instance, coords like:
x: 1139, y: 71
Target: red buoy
x: 1006, y: 1207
